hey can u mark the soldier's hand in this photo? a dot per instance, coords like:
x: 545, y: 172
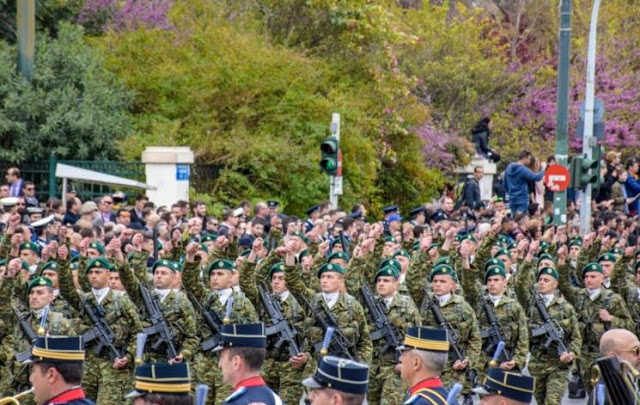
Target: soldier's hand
x: 323, y: 248
x: 562, y: 252
x: 534, y: 247
x: 508, y: 365
x: 191, y: 250
x: 222, y: 241
x: 14, y: 221
x: 407, y: 231
x: 178, y: 359
x: 460, y: 364
x: 63, y: 252
x: 14, y: 267
x: 281, y: 250
x: 63, y: 233
x: 628, y: 251
x: 83, y: 246
x: 495, y: 228
x: 257, y: 244
x: 298, y: 360
x: 167, y: 247
x: 17, y: 239
x: 120, y: 362
x: 451, y: 233
x: 137, y: 241
x: 44, y: 254
x: 523, y: 245
x: 175, y: 236
x: 566, y: 357
x: 605, y: 316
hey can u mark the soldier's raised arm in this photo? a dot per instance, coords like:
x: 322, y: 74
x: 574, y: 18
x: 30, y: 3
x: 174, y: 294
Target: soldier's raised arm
x: 191, y: 272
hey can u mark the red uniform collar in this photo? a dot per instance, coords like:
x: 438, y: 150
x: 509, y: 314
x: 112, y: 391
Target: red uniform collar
x: 428, y: 383
x: 250, y: 382
x: 67, y: 396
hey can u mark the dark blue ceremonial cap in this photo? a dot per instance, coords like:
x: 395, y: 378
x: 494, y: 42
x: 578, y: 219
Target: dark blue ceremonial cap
x: 416, y: 211
x: 57, y: 349
x: 242, y: 335
x: 313, y: 209
x: 504, y: 383
x: 272, y: 204
x: 356, y: 215
x: 439, y: 216
x: 429, y: 339
x: 161, y: 378
x: 340, y: 374
x: 390, y: 209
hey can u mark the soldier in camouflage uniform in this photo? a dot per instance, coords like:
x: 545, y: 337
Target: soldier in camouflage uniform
x: 281, y: 372
x: 345, y: 308
x: 385, y: 384
x: 40, y: 294
x: 105, y: 380
x: 626, y: 288
x: 599, y: 309
x: 550, y: 374
x: 508, y: 312
x: 214, y: 298
x: 176, y: 308
x: 59, y: 304
x: 460, y: 317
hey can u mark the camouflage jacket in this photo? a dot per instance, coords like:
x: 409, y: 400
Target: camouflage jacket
x: 347, y: 310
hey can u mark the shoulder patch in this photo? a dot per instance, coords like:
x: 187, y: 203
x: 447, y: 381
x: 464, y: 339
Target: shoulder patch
x: 236, y: 394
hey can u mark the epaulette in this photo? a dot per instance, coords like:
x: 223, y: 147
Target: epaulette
x: 236, y: 394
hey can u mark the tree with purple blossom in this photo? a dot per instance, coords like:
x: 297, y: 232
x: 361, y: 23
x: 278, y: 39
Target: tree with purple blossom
x: 115, y: 15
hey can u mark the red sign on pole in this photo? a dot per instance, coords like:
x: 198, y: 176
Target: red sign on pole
x: 556, y: 178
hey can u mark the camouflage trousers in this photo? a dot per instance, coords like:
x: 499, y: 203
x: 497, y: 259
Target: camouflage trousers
x: 550, y: 380
x: 104, y: 384
x: 385, y: 386
x: 281, y: 377
x: 587, y: 361
x: 206, y: 371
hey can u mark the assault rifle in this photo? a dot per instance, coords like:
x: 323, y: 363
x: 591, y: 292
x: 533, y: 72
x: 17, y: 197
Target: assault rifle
x: 279, y: 325
x: 339, y: 345
x: 159, y: 325
x: 494, y: 333
x: 101, y: 331
x: 28, y: 331
x: 550, y: 328
x: 384, y: 328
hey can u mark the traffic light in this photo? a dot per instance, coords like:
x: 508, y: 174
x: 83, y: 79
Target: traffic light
x: 329, y: 149
x: 583, y: 171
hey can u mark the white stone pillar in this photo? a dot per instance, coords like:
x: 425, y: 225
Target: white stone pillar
x: 490, y: 170
x: 168, y: 168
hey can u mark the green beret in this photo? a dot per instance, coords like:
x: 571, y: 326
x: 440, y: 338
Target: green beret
x: 173, y: 266
x: 338, y: 255
x: 401, y: 252
x: 591, y: 267
x: 276, y: 268
x: 617, y: 251
x: 390, y: 239
x: 51, y: 265
x: 301, y: 236
x: 99, y: 262
x: 203, y: 247
x: 416, y: 245
x: 3, y: 262
x: 390, y: 262
x: 303, y: 254
x: 607, y: 257
x: 494, y: 271
x: 330, y: 267
x: 544, y: 246
x: 244, y: 253
x: 39, y: 282
x: 220, y: 264
x: 503, y: 239
x: 210, y: 237
x: 444, y: 260
x: 502, y: 252
x: 30, y: 246
x: 549, y: 271
x: 25, y: 266
x: 545, y: 256
x: 431, y: 246
x: 443, y: 269
x: 636, y: 266
x: 73, y: 265
x: 575, y: 242
x: 493, y: 262
x: 390, y: 271
x: 466, y: 236
x: 97, y: 245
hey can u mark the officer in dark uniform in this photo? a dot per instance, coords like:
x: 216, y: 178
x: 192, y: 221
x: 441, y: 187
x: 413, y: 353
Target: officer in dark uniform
x: 388, y: 211
x: 242, y: 350
x: 418, y: 216
x: 505, y: 386
x: 337, y: 377
x: 424, y: 357
x: 56, y: 370
x: 312, y: 214
x: 159, y: 383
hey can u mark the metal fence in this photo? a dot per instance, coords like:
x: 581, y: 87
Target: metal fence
x: 42, y: 174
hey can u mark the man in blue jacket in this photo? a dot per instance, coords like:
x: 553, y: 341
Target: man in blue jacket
x: 516, y: 182
x: 632, y: 185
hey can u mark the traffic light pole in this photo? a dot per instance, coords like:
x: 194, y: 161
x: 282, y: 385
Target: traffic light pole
x: 335, y: 186
x: 562, y: 124
x: 588, y: 141
x: 26, y: 35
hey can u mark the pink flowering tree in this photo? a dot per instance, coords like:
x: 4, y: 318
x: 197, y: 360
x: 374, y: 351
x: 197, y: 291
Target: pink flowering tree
x: 115, y: 15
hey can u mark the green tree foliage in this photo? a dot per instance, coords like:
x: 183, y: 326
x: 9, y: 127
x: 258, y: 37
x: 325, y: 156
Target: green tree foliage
x: 261, y: 110
x: 72, y: 107
x: 49, y: 14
